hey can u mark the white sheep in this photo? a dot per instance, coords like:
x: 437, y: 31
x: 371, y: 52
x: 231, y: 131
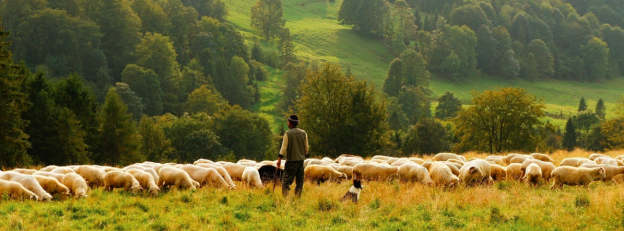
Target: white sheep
x: 533, y: 174
x: 476, y: 171
x: 412, y: 172
x: 16, y: 190
x: 29, y: 182
x: 145, y: 179
x: 205, y: 176
x: 117, y: 179
x: 321, y: 173
x: 576, y: 176
x: 76, y: 184
x: 52, y: 185
x: 251, y: 177
x: 442, y: 176
x: 170, y: 176
x: 93, y: 175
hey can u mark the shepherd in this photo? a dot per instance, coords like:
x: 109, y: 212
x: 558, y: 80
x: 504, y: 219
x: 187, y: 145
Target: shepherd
x: 294, y: 150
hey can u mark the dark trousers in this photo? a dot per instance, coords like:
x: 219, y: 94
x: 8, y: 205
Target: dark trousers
x: 292, y: 170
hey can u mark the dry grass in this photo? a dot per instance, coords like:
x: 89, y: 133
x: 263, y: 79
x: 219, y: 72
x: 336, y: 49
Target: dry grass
x: 507, y: 205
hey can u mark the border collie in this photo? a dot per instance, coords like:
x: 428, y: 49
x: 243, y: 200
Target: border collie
x: 354, y: 192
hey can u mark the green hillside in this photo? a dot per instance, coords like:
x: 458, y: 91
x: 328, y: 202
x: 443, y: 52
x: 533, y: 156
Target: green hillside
x: 318, y: 35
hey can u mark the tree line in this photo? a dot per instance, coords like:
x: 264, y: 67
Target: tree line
x: 533, y: 40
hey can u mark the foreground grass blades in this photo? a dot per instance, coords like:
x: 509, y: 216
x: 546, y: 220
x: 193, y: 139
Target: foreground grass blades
x: 383, y: 205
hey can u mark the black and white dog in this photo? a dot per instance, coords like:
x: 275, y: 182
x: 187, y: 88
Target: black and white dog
x: 354, y: 192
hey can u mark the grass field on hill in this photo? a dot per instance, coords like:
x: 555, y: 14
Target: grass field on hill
x: 318, y: 35
x: 506, y: 205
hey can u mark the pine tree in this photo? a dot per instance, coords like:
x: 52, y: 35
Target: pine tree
x: 154, y: 142
x: 287, y: 47
x: 569, y: 138
x: 13, y: 139
x: 582, y: 105
x: 119, y: 140
x: 601, y: 110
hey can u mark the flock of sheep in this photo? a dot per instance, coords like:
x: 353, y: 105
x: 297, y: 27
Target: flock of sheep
x: 444, y: 170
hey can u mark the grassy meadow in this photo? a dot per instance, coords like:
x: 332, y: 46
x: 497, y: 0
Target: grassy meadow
x: 506, y: 205
x: 317, y: 35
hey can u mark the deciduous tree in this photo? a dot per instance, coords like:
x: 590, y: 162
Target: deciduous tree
x: 266, y: 17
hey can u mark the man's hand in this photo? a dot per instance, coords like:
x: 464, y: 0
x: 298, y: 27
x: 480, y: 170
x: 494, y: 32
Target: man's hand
x: 279, y: 164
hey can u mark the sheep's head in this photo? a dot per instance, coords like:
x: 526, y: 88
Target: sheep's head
x: 154, y: 190
x: 135, y: 188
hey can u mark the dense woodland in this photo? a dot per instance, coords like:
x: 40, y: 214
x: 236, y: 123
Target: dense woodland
x: 120, y: 81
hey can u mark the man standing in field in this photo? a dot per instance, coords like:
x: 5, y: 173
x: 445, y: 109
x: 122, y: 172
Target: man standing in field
x: 295, y: 151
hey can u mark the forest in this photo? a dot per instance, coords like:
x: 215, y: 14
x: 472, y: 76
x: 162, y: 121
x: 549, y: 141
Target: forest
x: 122, y: 81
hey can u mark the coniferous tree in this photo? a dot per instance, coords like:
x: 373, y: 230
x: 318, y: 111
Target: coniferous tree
x: 569, y: 137
x: 287, y: 47
x: 130, y: 99
x: 119, y: 139
x: 582, y: 105
x: 601, y: 110
x: 13, y: 139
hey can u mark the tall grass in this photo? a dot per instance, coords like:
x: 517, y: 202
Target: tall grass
x: 507, y: 205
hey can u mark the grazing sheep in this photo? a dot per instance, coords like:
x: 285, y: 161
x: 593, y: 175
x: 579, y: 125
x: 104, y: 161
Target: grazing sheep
x: 498, y: 172
x: 312, y: 161
x: 203, y: 161
x: 170, y: 176
x: 448, y: 156
x: 205, y: 175
x: 321, y: 174
x: 542, y: 157
x: 52, y: 185
x: 93, y: 175
x: 533, y: 174
x: 267, y: 173
x: 476, y: 171
x: 110, y: 169
x: 76, y: 185
x: 496, y: 160
x: 29, y: 182
x: 344, y: 157
x: 351, y: 162
x: 520, y: 159
x: 251, y: 178
x: 572, y: 161
x: 514, y: 171
x: 606, y: 160
x: 413, y: 172
x: 576, y: 176
x: 354, y: 192
x: 593, y: 156
x: 24, y: 171
x: 268, y: 162
x: 224, y: 173
x: 546, y: 167
x: 347, y: 170
x: 416, y: 160
x: 145, y: 168
x: 235, y: 171
x: 16, y: 190
x: 117, y: 179
x: 380, y: 157
x: 48, y: 168
x: 58, y: 176
x: 507, y: 159
x: 610, y: 171
x: 584, y: 161
x: 145, y: 179
x: 63, y: 170
x: 458, y: 163
x: 371, y: 171
x: 442, y: 176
